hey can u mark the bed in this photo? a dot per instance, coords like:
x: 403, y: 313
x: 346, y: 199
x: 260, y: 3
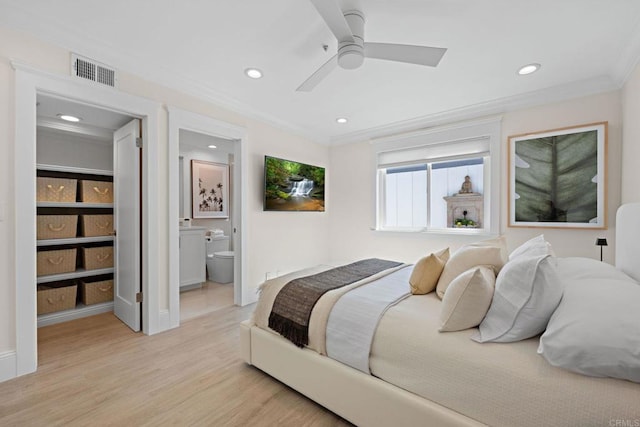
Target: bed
x: 421, y: 376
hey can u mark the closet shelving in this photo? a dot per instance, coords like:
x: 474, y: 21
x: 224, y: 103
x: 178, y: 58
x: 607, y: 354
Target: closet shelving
x: 78, y: 208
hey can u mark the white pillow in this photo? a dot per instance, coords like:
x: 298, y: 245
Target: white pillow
x: 596, y: 328
x: 533, y: 247
x: 527, y: 292
x: 467, y: 299
x: 487, y: 252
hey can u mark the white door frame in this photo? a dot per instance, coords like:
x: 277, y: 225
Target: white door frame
x: 29, y: 82
x: 181, y: 119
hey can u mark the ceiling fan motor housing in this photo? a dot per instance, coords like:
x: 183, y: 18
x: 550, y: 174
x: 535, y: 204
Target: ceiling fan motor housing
x: 351, y: 53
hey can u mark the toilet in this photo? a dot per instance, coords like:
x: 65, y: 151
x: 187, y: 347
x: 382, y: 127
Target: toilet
x: 219, y: 259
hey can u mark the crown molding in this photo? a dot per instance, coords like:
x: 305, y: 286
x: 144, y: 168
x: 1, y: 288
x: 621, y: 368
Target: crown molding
x: 97, y: 133
x: 92, y: 47
x: 129, y: 63
x: 494, y: 107
x: 628, y: 58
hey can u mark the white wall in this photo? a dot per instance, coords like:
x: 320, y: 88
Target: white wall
x: 631, y: 138
x: 67, y: 149
x: 351, y: 192
x: 283, y: 241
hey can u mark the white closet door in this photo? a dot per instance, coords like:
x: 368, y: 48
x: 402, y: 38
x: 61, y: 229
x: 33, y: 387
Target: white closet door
x: 126, y: 182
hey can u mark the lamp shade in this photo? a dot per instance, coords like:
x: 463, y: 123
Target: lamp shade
x: 601, y: 242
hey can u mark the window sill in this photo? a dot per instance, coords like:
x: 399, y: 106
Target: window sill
x: 437, y: 231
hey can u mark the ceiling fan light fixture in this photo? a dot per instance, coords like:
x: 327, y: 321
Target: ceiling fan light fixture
x: 253, y: 73
x: 69, y: 118
x: 351, y: 58
x: 529, y: 69
x: 342, y: 120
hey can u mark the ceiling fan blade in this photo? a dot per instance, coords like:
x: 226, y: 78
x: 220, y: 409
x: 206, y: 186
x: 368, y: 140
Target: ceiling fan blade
x: 333, y: 16
x: 421, y: 55
x: 319, y: 75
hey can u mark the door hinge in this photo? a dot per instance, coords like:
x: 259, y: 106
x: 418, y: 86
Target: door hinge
x: 138, y: 142
x: 139, y: 297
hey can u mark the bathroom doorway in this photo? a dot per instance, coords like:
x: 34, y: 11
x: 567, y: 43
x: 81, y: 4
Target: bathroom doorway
x: 208, y: 248
x: 206, y: 282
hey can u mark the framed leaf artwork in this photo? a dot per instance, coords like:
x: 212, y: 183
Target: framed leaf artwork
x: 209, y: 190
x: 557, y: 178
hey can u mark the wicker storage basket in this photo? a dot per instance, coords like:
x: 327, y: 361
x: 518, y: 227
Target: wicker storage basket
x: 95, y: 292
x: 97, y: 225
x: 56, y: 226
x: 56, y: 262
x: 96, y: 191
x: 56, y: 299
x: 56, y: 190
x: 100, y: 257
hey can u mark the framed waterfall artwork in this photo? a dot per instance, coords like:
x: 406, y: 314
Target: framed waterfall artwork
x: 209, y: 190
x: 557, y: 178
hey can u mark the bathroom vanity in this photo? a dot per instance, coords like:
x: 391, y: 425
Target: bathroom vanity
x: 192, y: 257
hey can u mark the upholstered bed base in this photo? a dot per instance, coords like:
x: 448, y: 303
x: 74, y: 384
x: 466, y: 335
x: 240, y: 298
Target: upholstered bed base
x: 359, y: 398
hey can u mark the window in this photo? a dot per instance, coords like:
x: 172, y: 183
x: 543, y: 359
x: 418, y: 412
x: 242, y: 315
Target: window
x: 420, y: 180
x: 405, y: 190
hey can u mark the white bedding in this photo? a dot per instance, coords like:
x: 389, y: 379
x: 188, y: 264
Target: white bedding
x: 493, y: 383
x: 354, y: 318
x: 505, y: 384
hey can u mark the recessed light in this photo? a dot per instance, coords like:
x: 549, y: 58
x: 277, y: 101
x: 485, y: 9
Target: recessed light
x: 69, y: 118
x: 528, y: 69
x: 212, y: 146
x: 341, y: 120
x: 254, y: 73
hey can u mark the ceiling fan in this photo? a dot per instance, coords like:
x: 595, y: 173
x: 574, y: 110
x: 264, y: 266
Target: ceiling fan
x: 348, y: 27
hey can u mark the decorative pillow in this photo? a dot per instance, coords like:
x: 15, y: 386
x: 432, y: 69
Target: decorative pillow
x: 467, y: 299
x: 427, y: 271
x: 487, y: 252
x: 533, y: 247
x: 595, y: 330
x: 528, y: 290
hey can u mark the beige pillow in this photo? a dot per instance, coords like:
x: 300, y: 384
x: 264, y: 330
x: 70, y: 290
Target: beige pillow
x: 427, y: 271
x: 467, y: 299
x: 487, y: 252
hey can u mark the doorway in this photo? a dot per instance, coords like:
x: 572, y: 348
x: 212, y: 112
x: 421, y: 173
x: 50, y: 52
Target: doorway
x: 29, y: 83
x: 88, y: 176
x: 185, y: 126
x: 206, y: 221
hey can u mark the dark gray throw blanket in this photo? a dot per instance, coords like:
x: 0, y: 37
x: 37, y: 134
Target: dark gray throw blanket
x: 293, y: 305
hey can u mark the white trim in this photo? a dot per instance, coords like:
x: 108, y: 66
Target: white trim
x: 164, y: 320
x: 182, y: 119
x: 101, y: 134
x: 94, y: 47
x: 7, y: 365
x: 497, y: 106
x: 71, y: 169
x: 28, y: 83
x: 77, y: 313
x: 489, y: 128
x: 628, y: 59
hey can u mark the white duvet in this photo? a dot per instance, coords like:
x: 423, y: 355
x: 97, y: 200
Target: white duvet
x: 494, y: 383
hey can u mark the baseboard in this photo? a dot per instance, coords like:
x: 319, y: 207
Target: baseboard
x: 75, y: 313
x: 7, y: 366
x: 164, y: 321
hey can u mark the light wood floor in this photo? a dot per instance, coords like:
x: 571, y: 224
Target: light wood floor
x: 210, y: 297
x: 96, y: 372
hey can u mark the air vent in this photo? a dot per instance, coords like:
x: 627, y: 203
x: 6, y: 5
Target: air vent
x: 89, y: 69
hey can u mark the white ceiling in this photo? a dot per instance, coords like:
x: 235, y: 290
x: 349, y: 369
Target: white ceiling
x: 202, y: 47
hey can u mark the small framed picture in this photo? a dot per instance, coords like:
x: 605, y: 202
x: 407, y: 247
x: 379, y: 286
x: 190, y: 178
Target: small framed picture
x: 209, y: 190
